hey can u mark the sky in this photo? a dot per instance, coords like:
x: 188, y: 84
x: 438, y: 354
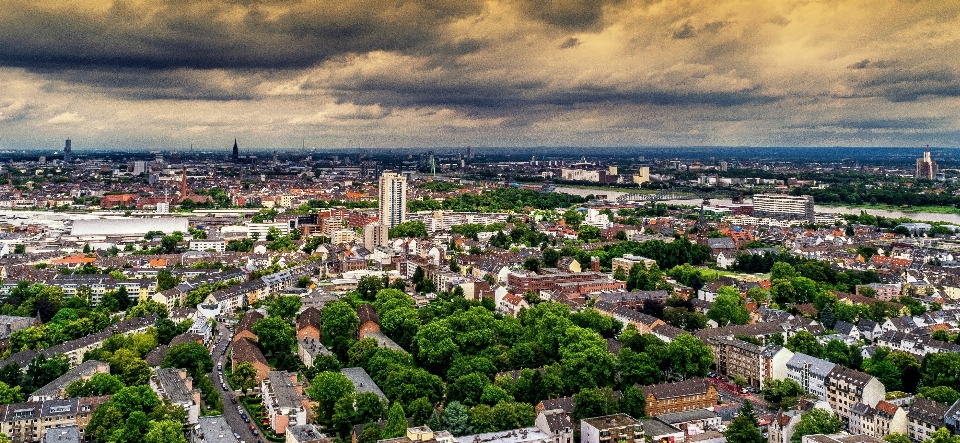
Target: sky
x: 168, y: 74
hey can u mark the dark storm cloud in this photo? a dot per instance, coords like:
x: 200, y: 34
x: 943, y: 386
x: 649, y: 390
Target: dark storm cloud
x: 899, y: 84
x: 685, y: 31
x: 216, y: 34
x: 472, y: 94
x: 568, y: 14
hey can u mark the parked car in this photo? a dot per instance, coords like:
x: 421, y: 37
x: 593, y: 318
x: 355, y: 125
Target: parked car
x: 233, y: 400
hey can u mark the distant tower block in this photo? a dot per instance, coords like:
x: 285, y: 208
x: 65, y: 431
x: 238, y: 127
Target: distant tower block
x: 236, y: 151
x: 67, y: 157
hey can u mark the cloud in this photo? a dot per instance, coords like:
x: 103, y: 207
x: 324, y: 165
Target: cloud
x: 65, y: 118
x: 503, y: 71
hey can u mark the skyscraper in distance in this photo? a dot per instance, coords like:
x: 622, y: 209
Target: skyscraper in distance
x: 67, y: 154
x: 393, y: 199
x: 236, y: 151
x: 926, y: 167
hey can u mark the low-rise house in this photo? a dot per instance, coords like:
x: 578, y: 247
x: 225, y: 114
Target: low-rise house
x: 385, y: 342
x: 173, y: 386
x: 246, y: 351
x: 283, y: 401
x: 369, y: 321
x: 244, y: 328
x: 309, y: 324
x: 309, y: 348
x: 659, y: 431
x: 687, y: 395
x: 306, y: 433
x: 555, y: 424
x: 693, y: 422
x: 64, y: 434
x: 212, y: 429
x: 362, y: 381
x: 610, y: 428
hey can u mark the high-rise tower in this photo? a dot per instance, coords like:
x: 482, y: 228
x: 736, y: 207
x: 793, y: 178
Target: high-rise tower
x: 67, y: 154
x: 926, y: 167
x: 393, y: 199
x: 236, y: 151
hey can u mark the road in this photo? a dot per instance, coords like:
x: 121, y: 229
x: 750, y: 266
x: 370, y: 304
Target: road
x: 229, y: 409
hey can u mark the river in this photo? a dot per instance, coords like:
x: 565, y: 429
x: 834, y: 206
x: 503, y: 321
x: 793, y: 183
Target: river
x: 920, y: 216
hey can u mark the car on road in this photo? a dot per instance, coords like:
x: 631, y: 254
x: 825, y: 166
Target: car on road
x: 233, y: 400
x: 252, y: 427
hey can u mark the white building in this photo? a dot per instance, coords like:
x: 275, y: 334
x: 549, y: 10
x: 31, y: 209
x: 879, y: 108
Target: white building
x: 203, y: 245
x: 783, y: 206
x: 810, y: 372
x: 393, y: 199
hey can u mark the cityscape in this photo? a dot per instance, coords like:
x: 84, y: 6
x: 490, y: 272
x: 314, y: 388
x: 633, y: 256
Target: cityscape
x: 497, y: 221
x: 468, y: 295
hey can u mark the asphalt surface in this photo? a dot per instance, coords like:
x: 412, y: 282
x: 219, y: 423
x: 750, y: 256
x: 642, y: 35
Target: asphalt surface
x: 229, y: 409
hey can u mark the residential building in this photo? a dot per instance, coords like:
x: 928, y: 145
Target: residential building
x: 65, y: 434
x: 369, y: 321
x: 375, y: 234
x: 840, y: 438
x: 393, y: 199
x: 877, y: 421
x: 309, y: 348
x: 362, y: 381
x: 308, y: 324
x: 173, y: 386
x: 620, y: 428
x: 283, y: 401
x: 305, y: 434
x: 212, y: 429
x: 246, y: 351
x: 847, y: 387
x: 244, y: 328
x: 215, y: 245
x: 692, y: 422
x: 84, y: 371
x: 783, y: 206
x: 31, y: 421
x: 810, y: 372
x: 687, y: 395
x: 924, y: 417
x: 628, y: 261
x: 733, y: 357
x: 555, y: 424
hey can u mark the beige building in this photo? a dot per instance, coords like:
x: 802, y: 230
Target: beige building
x: 393, y: 199
x: 847, y: 387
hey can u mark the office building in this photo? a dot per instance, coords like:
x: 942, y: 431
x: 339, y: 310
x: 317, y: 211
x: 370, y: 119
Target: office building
x: 67, y: 152
x: 393, y: 199
x: 783, y: 206
x: 926, y: 167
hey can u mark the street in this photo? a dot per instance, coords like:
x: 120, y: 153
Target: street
x: 229, y: 409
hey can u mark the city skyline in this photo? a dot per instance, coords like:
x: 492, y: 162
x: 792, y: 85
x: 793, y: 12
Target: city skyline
x: 513, y: 74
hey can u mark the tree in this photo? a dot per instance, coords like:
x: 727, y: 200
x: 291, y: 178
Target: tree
x: 688, y: 357
x: 329, y: 387
x: 633, y: 402
x: 10, y: 394
x: 729, y: 308
x: 455, y: 419
x: 339, y: 320
x: 43, y: 370
x: 147, y: 307
x: 940, y: 394
x: 412, y: 229
x: 897, y: 437
x: 744, y: 428
x: 275, y: 335
x: 166, y: 280
x: 285, y: 307
x: 941, y: 369
x: 587, y: 233
x: 99, y: 384
x: 593, y: 402
x: 244, y: 377
x: 166, y: 431
x: 637, y: 368
x: 434, y: 345
x: 817, y: 421
x: 116, y: 301
x: 531, y: 264
x: 396, y: 422
x: 806, y: 343
x: 777, y: 391
x: 551, y: 257
x: 192, y: 356
x: 942, y: 435
x: 782, y: 270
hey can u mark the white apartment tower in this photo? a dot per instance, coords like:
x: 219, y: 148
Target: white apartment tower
x: 393, y: 199
x: 783, y: 206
